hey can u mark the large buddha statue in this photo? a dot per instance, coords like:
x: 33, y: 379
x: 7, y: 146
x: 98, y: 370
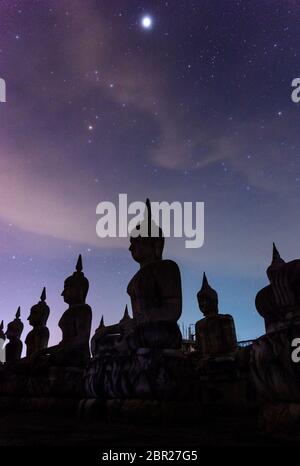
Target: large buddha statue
x: 155, y: 293
x: 275, y: 374
x: 280, y: 300
x: 75, y: 324
x: 37, y: 339
x: 13, y: 333
x: 140, y: 356
x: 215, y: 334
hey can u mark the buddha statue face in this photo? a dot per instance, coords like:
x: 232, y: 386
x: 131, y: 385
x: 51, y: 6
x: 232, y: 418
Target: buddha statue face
x: 14, y: 329
x: 145, y: 249
x: 39, y: 314
x: 207, y: 305
x: 75, y: 291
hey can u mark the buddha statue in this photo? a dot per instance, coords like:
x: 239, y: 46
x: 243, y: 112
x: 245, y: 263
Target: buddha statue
x: 37, y: 339
x: 280, y: 300
x: 13, y: 333
x: 155, y: 293
x: 140, y: 356
x: 215, y: 334
x: 75, y: 324
x: 276, y: 376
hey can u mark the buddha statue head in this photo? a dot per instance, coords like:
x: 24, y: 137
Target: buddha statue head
x: 76, y: 286
x: 207, y: 299
x: 147, y: 240
x: 15, y: 328
x: 39, y: 313
x: 2, y: 334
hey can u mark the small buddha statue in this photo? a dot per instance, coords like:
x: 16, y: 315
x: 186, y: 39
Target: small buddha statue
x: 37, y: 339
x: 13, y: 333
x: 215, y: 334
x: 75, y: 324
x: 155, y: 293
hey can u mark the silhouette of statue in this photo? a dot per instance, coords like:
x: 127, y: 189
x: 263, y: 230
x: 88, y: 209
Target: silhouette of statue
x: 141, y: 357
x: 215, y: 334
x: 37, y: 339
x: 156, y: 297
x: 75, y: 324
x: 14, y: 331
x: 275, y: 374
x: 280, y: 300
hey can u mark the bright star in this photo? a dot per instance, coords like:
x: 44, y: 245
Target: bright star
x: 146, y: 22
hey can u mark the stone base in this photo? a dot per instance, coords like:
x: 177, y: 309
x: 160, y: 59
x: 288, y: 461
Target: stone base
x: 31, y: 404
x: 141, y: 411
x: 281, y: 418
x: 147, y: 374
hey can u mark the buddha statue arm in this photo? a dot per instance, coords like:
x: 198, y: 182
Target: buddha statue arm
x: 170, y: 295
x: 83, y: 321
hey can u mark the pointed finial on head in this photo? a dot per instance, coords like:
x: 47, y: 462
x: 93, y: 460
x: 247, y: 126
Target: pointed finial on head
x: 43, y: 295
x: 276, y: 255
x: 79, y: 264
x: 102, y: 323
x: 204, y: 280
x: 126, y: 315
x: 1, y: 325
x: 18, y: 313
x: 276, y: 258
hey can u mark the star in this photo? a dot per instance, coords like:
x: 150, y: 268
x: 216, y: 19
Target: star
x: 146, y: 22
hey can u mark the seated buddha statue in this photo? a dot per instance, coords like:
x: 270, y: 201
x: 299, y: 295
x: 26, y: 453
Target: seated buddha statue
x: 155, y: 293
x: 280, y: 300
x: 215, y: 334
x: 37, y: 339
x: 275, y: 374
x: 13, y: 333
x: 75, y: 324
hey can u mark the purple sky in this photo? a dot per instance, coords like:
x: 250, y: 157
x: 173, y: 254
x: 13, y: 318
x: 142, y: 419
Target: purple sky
x: 197, y: 108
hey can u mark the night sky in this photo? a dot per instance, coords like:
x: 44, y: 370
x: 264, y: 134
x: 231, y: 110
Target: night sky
x: 195, y: 108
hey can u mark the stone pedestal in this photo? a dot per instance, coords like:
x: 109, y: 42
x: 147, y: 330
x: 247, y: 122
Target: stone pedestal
x: 151, y: 374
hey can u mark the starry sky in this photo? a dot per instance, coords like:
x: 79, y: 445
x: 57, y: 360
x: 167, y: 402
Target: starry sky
x: 196, y: 107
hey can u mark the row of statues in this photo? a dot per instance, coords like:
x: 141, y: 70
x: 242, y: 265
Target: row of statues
x: 141, y: 356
